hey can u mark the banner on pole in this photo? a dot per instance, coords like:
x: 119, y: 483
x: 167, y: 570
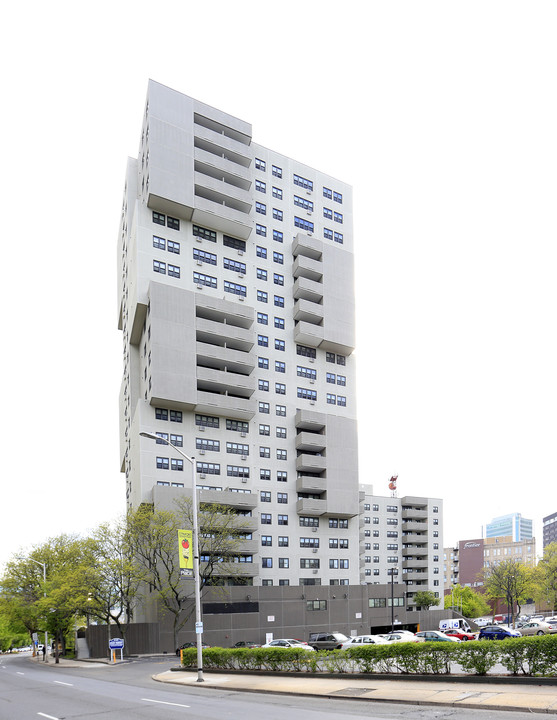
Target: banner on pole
x: 185, y: 546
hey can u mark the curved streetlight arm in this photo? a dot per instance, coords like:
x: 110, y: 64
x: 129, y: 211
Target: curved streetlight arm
x: 198, y: 621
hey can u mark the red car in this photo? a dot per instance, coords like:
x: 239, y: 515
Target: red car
x: 460, y: 635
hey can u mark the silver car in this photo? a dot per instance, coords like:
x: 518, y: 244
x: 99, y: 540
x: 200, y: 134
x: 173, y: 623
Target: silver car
x: 538, y: 628
x: 364, y: 640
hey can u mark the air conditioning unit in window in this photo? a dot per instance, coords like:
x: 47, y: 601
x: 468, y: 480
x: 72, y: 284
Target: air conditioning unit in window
x: 202, y: 476
x: 314, y: 529
x: 244, y: 457
x: 240, y: 274
x: 198, y: 238
x: 309, y: 212
x: 243, y: 434
x: 201, y: 428
x: 308, y: 192
x: 240, y: 252
x: 240, y: 298
x: 312, y: 382
x: 312, y: 402
x: 315, y: 572
x: 199, y: 262
x: 311, y: 359
x: 202, y: 452
x: 310, y: 234
x: 244, y: 480
x: 314, y: 549
x: 200, y: 287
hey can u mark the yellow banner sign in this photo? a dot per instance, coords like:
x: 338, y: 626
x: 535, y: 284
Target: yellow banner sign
x: 185, y: 550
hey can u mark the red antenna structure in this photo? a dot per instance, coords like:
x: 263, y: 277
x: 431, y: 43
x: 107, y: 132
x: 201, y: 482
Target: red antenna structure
x: 392, y: 485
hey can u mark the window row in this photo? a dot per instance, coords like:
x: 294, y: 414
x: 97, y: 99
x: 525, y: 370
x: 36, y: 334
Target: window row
x: 163, y: 244
x: 161, y: 219
x: 161, y: 268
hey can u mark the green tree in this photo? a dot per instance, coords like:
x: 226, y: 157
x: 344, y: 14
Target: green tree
x: 154, y: 536
x: 546, y: 574
x: 510, y: 581
x: 426, y: 599
x: 472, y: 603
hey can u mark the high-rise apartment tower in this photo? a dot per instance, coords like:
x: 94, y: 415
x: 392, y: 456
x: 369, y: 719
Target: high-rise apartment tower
x: 236, y: 302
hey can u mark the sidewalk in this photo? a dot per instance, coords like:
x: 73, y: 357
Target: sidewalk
x: 511, y: 695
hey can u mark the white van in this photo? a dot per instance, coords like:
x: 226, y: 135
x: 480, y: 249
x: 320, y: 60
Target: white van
x: 454, y: 624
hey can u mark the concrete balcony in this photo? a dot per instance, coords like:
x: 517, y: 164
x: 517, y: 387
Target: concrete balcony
x: 413, y: 500
x: 419, y: 527
x: 308, y: 334
x: 307, y: 246
x: 309, y: 441
x: 218, y: 216
x: 222, y: 192
x: 219, y: 333
x: 311, y: 484
x: 310, y: 420
x: 414, y: 552
x: 310, y: 506
x: 240, y: 501
x: 219, y: 166
x: 416, y: 576
x: 220, y: 357
x: 235, y: 569
x: 246, y: 523
x: 414, y: 564
x: 221, y: 145
x: 221, y: 311
x: 305, y: 289
x: 414, y: 514
x: 413, y: 538
x: 219, y: 381
x: 310, y: 463
x: 218, y: 404
x: 308, y: 312
x: 308, y: 268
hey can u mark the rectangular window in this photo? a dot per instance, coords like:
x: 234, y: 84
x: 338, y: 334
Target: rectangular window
x: 234, y: 243
x: 282, y: 498
x: 278, y: 258
x: 264, y: 408
x: 260, y: 230
x: 265, y: 496
x: 204, y: 233
x: 237, y: 448
x: 276, y: 193
x: 341, y: 360
x: 261, y: 251
x: 284, y: 563
x: 264, y: 452
x: 260, y: 164
x: 266, y: 562
x: 277, y: 214
x: 278, y: 236
x: 200, y: 279
x: 306, y: 351
x: 174, y: 247
x: 264, y: 429
x: 260, y: 208
x: 263, y: 363
x: 266, y: 540
x: 237, y: 471
x: 264, y: 474
x: 177, y: 440
x: 176, y: 416
x: 280, y: 388
x: 339, y: 238
x: 262, y: 318
x: 327, y: 234
x: 337, y: 217
x: 331, y: 378
x: 260, y: 186
x: 282, y: 519
x: 159, y: 218
x: 263, y: 341
x: 280, y: 366
x: 283, y: 541
x: 308, y: 521
x: 177, y: 464
x: 207, y: 445
x: 235, y: 289
x: 207, y: 421
x: 328, y: 213
x: 281, y: 432
x: 303, y: 203
x: 159, y: 242
x: 262, y: 296
x: 281, y: 454
x: 331, y: 399
x: 303, y: 182
x: 282, y: 476
x: 341, y: 400
x: 162, y: 463
x: 173, y: 271
x: 280, y: 410
x: 161, y: 414
x: 237, y: 426
x: 303, y: 224
x: 208, y: 468
x: 278, y: 279
x: 306, y: 372
x: 204, y: 256
x: 159, y: 267
x: 306, y: 394
x: 337, y: 197
x: 234, y: 265
x: 261, y: 274
x: 327, y: 193
x: 280, y: 344
x: 279, y: 301
x: 341, y: 379
x: 309, y: 563
x: 263, y: 385
x: 277, y: 171
x: 172, y: 223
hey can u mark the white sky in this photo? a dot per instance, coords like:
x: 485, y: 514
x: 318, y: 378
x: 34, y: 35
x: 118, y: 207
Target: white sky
x: 442, y: 115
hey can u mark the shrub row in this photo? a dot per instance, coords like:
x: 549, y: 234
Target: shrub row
x: 527, y: 656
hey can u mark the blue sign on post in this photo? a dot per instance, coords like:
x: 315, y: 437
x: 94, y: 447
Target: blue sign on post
x: 116, y: 643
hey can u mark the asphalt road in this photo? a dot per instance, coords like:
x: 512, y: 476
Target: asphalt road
x: 127, y: 692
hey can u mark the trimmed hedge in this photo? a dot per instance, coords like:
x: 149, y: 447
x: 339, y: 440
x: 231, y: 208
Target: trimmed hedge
x: 536, y: 656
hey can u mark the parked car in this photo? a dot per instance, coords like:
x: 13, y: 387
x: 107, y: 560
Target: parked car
x: 186, y: 645
x: 282, y: 643
x: 363, y: 640
x: 461, y: 635
x: 245, y: 644
x: 551, y: 620
x: 536, y: 617
x: 538, y: 628
x: 327, y: 640
x: 434, y: 636
x: 482, y: 622
x: 497, y: 632
x: 402, y: 636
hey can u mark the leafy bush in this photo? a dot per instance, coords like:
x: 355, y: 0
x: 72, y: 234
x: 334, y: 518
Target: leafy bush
x: 478, y: 656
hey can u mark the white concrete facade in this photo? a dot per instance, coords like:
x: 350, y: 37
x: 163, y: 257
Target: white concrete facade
x: 236, y: 282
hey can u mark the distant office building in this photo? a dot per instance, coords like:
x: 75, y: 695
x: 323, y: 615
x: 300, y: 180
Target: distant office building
x: 550, y: 529
x: 514, y: 525
x: 465, y: 563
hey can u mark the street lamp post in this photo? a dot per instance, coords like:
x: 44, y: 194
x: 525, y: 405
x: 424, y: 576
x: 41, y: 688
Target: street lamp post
x: 43, y: 565
x: 198, y: 621
x: 394, y: 571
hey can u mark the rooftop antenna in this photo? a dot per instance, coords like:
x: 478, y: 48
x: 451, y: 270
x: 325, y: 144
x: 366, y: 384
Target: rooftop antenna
x: 392, y: 485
